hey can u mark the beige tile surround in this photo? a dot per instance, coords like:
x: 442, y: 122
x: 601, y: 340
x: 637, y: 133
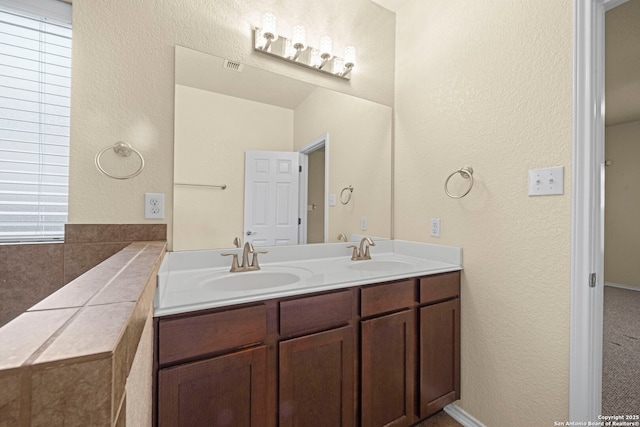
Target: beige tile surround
x: 66, y: 360
x: 31, y: 272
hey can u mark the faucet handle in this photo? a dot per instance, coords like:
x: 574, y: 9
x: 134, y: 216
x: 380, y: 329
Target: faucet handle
x: 354, y: 256
x: 367, y: 254
x: 234, y: 262
x: 237, y: 242
x: 254, y: 259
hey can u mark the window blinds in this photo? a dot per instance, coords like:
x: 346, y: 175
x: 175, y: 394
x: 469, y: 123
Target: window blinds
x: 35, y: 72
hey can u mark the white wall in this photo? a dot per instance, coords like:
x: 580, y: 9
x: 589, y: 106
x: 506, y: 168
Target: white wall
x: 212, y: 133
x: 123, y: 79
x: 487, y: 83
x: 622, y: 204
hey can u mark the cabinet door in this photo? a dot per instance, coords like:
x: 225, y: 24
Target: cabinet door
x: 222, y: 391
x: 317, y: 380
x: 439, y: 356
x: 388, y: 369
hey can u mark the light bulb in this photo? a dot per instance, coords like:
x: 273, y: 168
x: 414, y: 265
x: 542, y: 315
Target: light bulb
x: 350, y: 56
x: 299, y: 37
x: 326, y: 47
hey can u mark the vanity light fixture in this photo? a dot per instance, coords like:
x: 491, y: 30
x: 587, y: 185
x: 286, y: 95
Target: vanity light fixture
x: 349, y: 59
x: 326, y: 50
x: 299, y: 40
x: 296, y: 50
x: 269, y: 33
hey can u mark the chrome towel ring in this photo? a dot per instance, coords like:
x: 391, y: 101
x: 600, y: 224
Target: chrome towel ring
x: 348, y: 195
x: 122, y: 149
x: 465, y: 172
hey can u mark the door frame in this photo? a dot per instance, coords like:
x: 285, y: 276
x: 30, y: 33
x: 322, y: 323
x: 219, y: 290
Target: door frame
x: 303, y: 189
x: 587, y: 213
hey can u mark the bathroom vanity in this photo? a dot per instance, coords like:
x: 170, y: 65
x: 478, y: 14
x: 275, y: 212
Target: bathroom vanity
x: 383, y: 349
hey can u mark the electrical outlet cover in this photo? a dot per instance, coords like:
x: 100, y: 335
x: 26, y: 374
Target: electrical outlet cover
x: 154, y: 205
x: 435, y: 227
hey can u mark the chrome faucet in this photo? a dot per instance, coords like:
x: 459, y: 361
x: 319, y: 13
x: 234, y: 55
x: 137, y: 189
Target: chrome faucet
x: 342, y: 236
x: 237, y: 242
x: 245, y: 266
x: 362, y: 253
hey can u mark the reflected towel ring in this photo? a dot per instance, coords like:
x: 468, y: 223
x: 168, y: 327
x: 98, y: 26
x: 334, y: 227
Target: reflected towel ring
x: 122, y: 149
x: 348, y: 197
x: 465, y: 172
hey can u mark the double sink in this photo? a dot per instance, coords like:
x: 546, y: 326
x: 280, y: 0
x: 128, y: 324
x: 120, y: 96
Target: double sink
x: 278, y: 276
x: 189, y: 281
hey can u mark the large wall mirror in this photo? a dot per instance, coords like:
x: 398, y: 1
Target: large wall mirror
x: 250, y: 130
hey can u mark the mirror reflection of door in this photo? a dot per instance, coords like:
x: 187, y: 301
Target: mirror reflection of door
x: 315, y: 197
x: 271, y: 198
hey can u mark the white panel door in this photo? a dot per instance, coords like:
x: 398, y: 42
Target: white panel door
x: 271, y: 198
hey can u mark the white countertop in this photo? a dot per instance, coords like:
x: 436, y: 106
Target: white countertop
x: 186, y: 280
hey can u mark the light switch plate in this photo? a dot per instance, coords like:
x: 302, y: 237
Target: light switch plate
x: 546, y: 182
x: 332, y: 199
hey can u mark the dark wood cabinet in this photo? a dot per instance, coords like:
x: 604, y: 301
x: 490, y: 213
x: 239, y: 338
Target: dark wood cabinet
x: 377, y: 355
x: 317, y: 380
x: 439, y: 356
x: 388, y: 370
x: 221, y: 391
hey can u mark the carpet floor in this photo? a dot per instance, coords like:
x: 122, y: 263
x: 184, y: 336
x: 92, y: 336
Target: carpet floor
x: 440, y: 419
x: 621, y: 352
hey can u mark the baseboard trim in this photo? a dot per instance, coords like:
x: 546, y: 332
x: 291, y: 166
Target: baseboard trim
x: 617, y: 285
x: 461, y: 416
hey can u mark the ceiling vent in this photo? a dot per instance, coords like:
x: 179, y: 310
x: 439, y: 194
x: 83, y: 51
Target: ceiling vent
x: 231, y: 65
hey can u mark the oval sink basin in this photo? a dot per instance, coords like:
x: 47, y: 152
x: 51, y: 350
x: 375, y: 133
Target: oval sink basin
x: 266, y: 278
x: 378, y: 265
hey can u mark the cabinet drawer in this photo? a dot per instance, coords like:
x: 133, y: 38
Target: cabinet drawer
x: 194, y: 336
x: 387, y: 297
x: 316, y: 312
x: 439, y: 287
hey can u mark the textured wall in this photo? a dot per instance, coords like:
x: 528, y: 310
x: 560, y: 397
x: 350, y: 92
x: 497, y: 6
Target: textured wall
x: 622, y: 228
x: 123, y: 79
x: 359, y: 155
x: 213, y: 134
x: 488, y: 83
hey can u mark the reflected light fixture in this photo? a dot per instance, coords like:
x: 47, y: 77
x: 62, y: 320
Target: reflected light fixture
x: 295, y: 49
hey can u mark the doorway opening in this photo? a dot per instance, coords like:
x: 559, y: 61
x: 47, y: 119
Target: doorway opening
x: 313, y: 209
